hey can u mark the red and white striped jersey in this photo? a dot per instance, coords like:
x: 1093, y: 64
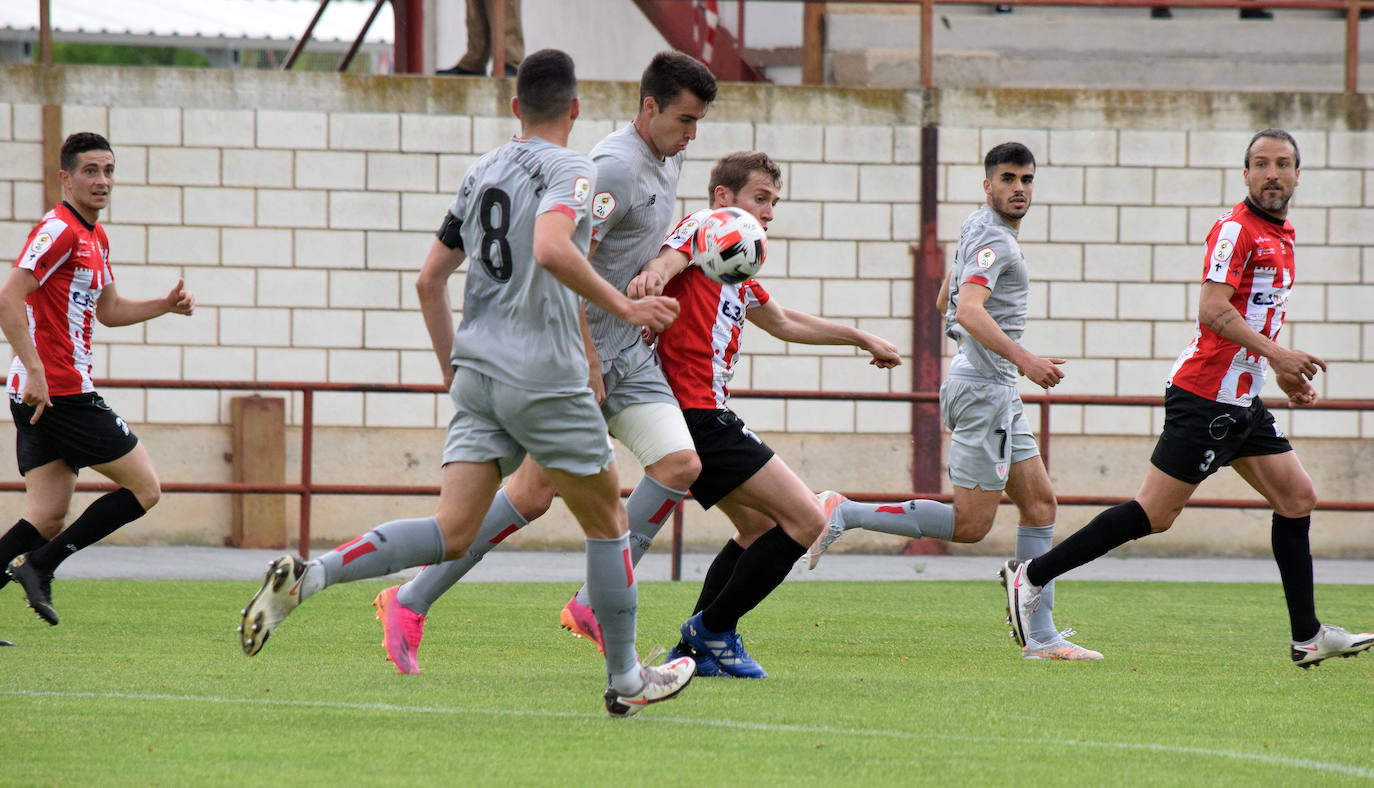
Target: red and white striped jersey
x: 1253, y: 253
x: 71, y: 260
x: 698, y: 351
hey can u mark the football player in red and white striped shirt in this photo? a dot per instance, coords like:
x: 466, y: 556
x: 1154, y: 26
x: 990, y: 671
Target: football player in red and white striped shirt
x: 59, y: 287
x: 1213, y: 415
x: 775, y: 514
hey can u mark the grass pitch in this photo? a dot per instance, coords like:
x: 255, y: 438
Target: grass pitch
x: 877, y: 683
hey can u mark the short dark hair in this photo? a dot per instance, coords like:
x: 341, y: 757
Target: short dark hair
x: 670, y: 73
x: 1277, y: 134
x: 1007, y: 153
x: 733, y: 170
x: 546, y: 85
x: 79, y: 143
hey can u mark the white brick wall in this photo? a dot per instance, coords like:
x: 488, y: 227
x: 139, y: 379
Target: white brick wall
x: 1143, y: 148
x: 183, y: 166
x: 293, y: 130
x: 858, y: 143
x: 364, y: 131
x: 436, y: 133
x: 302, y: 231
x: 195, y: 245
x: 21, y: 161
x: 145, y: 205
x: 331, y: 170
x: 218, y: 206
x: 257, y: 168
x: 218, y: 128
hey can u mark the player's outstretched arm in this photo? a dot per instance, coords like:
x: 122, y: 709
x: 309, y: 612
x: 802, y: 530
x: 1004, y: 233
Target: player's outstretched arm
x: 656, y: 273
x: 790, y: 325
x: 112, y: 309
x: 555, y: 251
x: 1215, y: 312
x: 973, y: 315
x: 432, y: 290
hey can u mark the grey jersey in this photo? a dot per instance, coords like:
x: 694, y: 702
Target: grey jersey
x: 520, y: 324
x: 636, y: 197
x: 988, y: 255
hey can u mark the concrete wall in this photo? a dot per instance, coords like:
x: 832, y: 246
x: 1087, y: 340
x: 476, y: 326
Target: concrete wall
x: 299, y: 206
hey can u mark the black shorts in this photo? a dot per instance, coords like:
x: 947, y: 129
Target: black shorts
x: 1201, y: 435
x: 78, y: 428
x: 730, y: 453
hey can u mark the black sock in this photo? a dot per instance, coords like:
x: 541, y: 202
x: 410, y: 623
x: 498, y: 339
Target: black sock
x: 104, y: 516
x: 1110, y: 529
x: 19, y: 539
x: 760, y: 569
x: 718, y: 574
x: 1293, y: 554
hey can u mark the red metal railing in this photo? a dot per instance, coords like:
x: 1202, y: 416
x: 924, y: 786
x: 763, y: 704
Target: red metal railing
x: 308, y: 487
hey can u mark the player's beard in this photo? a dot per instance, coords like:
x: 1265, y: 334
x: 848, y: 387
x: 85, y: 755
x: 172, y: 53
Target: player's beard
x: 1009, y: 211
x: 1274, y: 205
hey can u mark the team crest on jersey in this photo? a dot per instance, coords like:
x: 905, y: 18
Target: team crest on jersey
x: 581, y: 188
x: 1001, y: 469
x: 986, y: 257
x: 684, y: 230
x: 1223, y: 251
x: 41, y: 243
x: 603, y: 205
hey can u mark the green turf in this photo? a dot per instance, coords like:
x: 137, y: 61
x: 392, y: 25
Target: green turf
x: 882, y: 683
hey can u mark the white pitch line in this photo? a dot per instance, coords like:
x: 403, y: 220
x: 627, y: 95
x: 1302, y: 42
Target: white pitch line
x: 1274, y: 760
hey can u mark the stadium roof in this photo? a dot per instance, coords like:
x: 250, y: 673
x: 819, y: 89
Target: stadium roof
x: 202, y: 24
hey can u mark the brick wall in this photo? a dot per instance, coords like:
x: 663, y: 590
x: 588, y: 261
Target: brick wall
x: 299, y: 207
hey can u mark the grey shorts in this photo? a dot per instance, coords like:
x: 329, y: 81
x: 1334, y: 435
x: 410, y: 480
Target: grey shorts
x: 989, y: 432
x: 497, y: 421
x: 632, y: 378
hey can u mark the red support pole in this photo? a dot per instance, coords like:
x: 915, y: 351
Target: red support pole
x: 305, y: 37
x: 927, y: 326
x: 307, y: 459
x: 409, y: 47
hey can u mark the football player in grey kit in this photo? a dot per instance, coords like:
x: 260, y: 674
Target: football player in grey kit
x: 991, y: 447
x: 637, y: 169
x: 523, y: 214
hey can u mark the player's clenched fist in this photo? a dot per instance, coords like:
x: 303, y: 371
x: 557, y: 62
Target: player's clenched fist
x: 656, y: 312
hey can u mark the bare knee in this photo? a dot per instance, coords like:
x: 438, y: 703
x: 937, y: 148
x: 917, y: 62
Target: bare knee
x: 807, y: 530
x: 969, y: 530
x: 531, y: 502
x: 148, y: 496
x: 48, y: 527
x: 1038, y: 512
x: 677, y: 470
x: 1298, y: 503
x: 1163, y: 520
x: 48, y: 521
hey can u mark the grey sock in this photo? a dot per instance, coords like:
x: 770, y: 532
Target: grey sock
x: 649, y: 507
x: 390, y: 547
x: 614, y: 600
x: 501, y: 521
x: 911, y: 518
x: 1033, y: 541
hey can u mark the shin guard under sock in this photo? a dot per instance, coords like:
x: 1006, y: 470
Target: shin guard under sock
x: 104, y: 516
x: 1293, y: 553
x: 760, y: 569
x: 1110, y: 529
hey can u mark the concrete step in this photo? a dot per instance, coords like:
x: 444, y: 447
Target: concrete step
x: 1061, y: 47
